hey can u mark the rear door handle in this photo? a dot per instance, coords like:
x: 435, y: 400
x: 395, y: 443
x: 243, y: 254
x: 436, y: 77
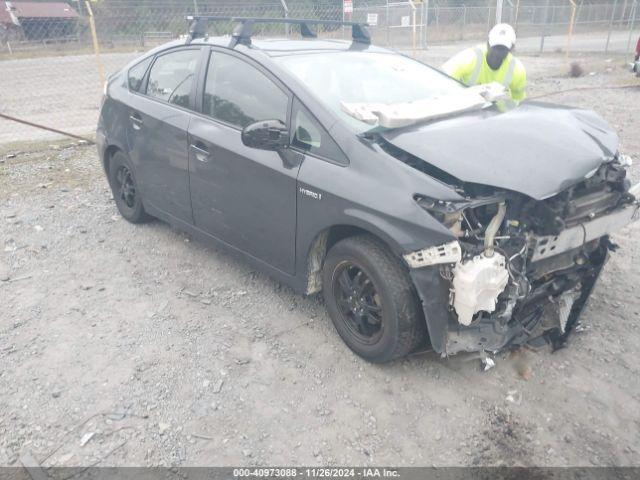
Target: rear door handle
x: 202, y: 154
x: 136, y: 121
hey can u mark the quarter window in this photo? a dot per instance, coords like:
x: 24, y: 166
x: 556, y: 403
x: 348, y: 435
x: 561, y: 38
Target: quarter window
x: 310, y: 137
x: 239, y: 94
x: 172, y: 75
x: 136, y: 74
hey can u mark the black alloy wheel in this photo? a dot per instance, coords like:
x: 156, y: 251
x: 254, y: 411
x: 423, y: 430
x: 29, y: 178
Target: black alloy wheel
x: 125, y: 189
x: 358, y: 302
x: 371, y: 299
x: 125, y: 186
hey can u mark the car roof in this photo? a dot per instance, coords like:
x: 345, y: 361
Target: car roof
x: 263, y: 50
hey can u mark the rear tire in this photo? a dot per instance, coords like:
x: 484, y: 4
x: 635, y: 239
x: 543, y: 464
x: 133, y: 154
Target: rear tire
x: 125, y: 189
x: 371, y: 300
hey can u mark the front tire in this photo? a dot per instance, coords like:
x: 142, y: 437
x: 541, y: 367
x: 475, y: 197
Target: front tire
x: 125, y: 189
x: 371, y: 300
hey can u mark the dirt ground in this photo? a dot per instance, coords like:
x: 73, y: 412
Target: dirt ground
x: 133, y: 345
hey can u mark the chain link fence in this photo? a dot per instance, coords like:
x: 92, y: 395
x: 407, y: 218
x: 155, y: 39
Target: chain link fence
x: 53, y: 55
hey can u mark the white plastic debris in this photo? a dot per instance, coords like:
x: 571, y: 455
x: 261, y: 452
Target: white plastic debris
x: 625, y: 160
x: 86, y: 437
x: 491, y: 92
x: 486, y: 362
x: 402, y: 114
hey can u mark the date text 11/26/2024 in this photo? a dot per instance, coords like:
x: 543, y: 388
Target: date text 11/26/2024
x: 315, y: 472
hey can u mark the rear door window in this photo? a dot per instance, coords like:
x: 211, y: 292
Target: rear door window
x: 172, y: 75
x: 239, y: 94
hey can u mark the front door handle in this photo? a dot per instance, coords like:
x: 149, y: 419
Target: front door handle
x: 202, y: 154
x: 136, y: 121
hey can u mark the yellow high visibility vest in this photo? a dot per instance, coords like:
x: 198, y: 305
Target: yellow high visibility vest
x: 471, y: 68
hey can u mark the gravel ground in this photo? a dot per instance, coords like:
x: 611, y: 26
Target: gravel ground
x: 133, y: 345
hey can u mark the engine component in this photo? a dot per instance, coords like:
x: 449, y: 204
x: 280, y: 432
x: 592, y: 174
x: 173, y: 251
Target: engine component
x: 477, y: 284
x: 493, y: 228
x: 447, y: 253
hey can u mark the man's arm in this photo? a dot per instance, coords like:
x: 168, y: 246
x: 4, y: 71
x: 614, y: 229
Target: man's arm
x: 461, y: 65
x: 518, y: 83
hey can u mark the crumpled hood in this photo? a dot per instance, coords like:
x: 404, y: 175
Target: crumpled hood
x: 537, y: 149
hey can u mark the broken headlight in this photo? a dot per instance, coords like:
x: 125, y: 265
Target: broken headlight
x: 447, y: 213
x: 466, y: 218
x: 451, y: 215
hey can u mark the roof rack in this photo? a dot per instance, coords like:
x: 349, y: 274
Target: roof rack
x: 244, y: 28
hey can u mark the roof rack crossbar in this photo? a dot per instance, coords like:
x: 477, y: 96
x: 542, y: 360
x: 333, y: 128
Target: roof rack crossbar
x: 244, y: 28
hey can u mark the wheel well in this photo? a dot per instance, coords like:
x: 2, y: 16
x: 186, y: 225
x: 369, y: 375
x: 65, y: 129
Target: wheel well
x: 109, y: 152
x: 321, y: 245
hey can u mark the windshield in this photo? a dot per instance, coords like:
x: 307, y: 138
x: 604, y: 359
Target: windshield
x: 366, y: 77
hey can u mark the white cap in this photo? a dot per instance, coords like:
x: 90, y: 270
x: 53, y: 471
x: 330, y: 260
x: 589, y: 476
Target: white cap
x: 502, y: 34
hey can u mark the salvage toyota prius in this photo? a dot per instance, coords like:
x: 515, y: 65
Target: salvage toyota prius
x: 425, y: 211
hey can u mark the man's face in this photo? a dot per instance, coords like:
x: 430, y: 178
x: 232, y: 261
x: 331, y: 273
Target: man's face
x: 496, y: 55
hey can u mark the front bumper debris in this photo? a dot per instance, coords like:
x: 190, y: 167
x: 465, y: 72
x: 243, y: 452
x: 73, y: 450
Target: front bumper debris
x: 447, y: 253
x: 576, y: 236
x: 537, y: 318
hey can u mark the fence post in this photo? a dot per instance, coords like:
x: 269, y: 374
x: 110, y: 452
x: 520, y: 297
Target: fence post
x: 413, y: 28
x: 421, y: 32
x: 571, y: 23
x: 286, y: 15
x: 613, y: 14
x: 425, y: 16
x: 544, y: 25
x: 388, y: 27
x: 632, y: 22
x: 489, y: 16
x: 464, y: 21
x: 96, y: 46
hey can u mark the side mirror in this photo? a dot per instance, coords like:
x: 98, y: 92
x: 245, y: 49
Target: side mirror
x: 266, y: 135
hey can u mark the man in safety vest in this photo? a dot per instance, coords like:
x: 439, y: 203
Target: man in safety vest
x: 492, y: 62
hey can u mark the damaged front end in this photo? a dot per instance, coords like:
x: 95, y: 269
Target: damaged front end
x: 521, y: 269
